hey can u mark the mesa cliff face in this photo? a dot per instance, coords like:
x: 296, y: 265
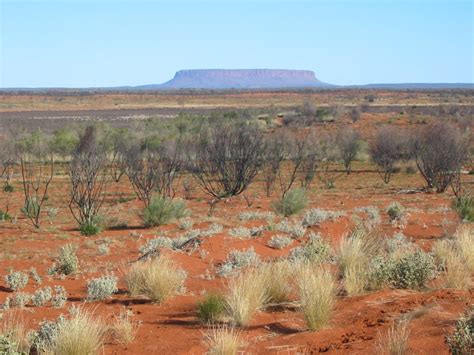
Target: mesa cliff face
x: 242, y: 79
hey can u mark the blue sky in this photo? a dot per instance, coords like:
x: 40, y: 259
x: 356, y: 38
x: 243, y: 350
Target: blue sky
x: 111, y: 43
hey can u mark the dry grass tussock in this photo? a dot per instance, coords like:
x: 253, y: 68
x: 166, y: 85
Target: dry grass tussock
x: 12, y: 329
x: 317, y: 294
x: 395, y: 340
x: 246, y: 295
x: 224, y: 341
x: 158, y: 279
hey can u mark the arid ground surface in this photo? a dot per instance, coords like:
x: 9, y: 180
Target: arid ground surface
x: 358, y: 323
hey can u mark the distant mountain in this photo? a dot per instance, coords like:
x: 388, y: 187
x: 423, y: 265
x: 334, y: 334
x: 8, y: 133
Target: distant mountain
x: 240, y: 79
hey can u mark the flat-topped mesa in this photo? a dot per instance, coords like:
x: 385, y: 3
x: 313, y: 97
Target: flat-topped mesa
x: 243, y: 79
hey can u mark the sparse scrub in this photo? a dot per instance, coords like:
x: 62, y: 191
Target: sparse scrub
x: 413, y: 270
x: 292, y: 202
x: 296, y: 229
x: 246, y: 295
x: 317, y: 293
x: 16, y: 280
x: 161, y: 210
x: 42, y: 296
x: 316, y: 250
x: 316, y: 216
x: 461, y: 342
x: 238, y: 260
x: 396, y: 212
x: 66, y: 263
x: 255, y: 215
x: 279, y: 241
x: 101, y: 288
x: 59, y: 299
x: 158, y: 279
x: 464, y: 238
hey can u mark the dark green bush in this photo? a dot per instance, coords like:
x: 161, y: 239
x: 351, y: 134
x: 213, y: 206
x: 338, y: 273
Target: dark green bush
x: 90, y: 228
x: 464, y: 206
x: 211, y: 308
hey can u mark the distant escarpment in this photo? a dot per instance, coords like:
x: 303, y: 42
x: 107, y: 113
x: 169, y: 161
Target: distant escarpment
x: 241, y: 79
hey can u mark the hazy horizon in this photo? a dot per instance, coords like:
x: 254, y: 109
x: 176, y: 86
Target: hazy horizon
x: 54, y: 43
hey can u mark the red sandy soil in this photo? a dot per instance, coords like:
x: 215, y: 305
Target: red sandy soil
x: 173, y: 328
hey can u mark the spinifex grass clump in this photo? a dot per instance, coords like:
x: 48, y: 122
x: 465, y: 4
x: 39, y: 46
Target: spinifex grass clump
x: 292, y: 202
x: 161, y: 210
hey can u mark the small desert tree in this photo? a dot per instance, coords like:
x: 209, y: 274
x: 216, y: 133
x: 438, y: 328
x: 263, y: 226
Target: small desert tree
x: 440, y: 150
x: 152, y: 166
x: 37, y: 171
x: 226, y: 158
x: 88, y: 181
x: 348, y: 144
x: 329, y: 155
x: 116, y: 141
x: 277, y: 150
x: 63, y: 142
x: 389, y: 146
x: 8, y: 161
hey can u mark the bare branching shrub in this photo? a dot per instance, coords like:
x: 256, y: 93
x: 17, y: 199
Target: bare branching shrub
x: 348, y: 144
x: 116, y: 142
x: 88, y: 179
x: 37, y: 171
x: 329, y: 155
x: 389, y: 146
x: 355, y: 114
x: 227, y: 158
x: 440, y: 151
x: 277, y: 150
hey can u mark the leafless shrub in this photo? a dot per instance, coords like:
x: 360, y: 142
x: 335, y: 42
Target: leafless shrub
x: 116, y: 142
x: 226, y: 158
x: 440, y: 151
x: 37, y: 170
x: 277, y: 149
x: 348, y: 144
x: 390, y: 146
x: 355, y: 114
x: 153, y: 167
x: 329, y: 155
x: 88, y: 180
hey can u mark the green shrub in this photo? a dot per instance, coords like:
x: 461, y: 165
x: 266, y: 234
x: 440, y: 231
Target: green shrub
x: 161, y: 210
x: 461, y: 342
x: 31, y: 208
x: 293, y: 202
x: 464, y: 206
x: 395, y: 211
x: 8, y: 188
x: 413, y: 270
x: 211, y: 308
x: 90, y: 228
x: 4, y: 216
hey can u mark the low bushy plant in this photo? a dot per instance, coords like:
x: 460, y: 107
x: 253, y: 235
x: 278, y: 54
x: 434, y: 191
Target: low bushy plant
x: 59, y: 298
x: 16, y: 280
x: 101, y: 288
x: 315, y: 216
x: 413, y: 270
x: 42, y: 296
x: 237, y: 260
x: 316, y: 250
x: 88, y: 228
x: 461, y: 342
x: 279, y: 241
x: 161, y: 210
x: 67, y: 262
